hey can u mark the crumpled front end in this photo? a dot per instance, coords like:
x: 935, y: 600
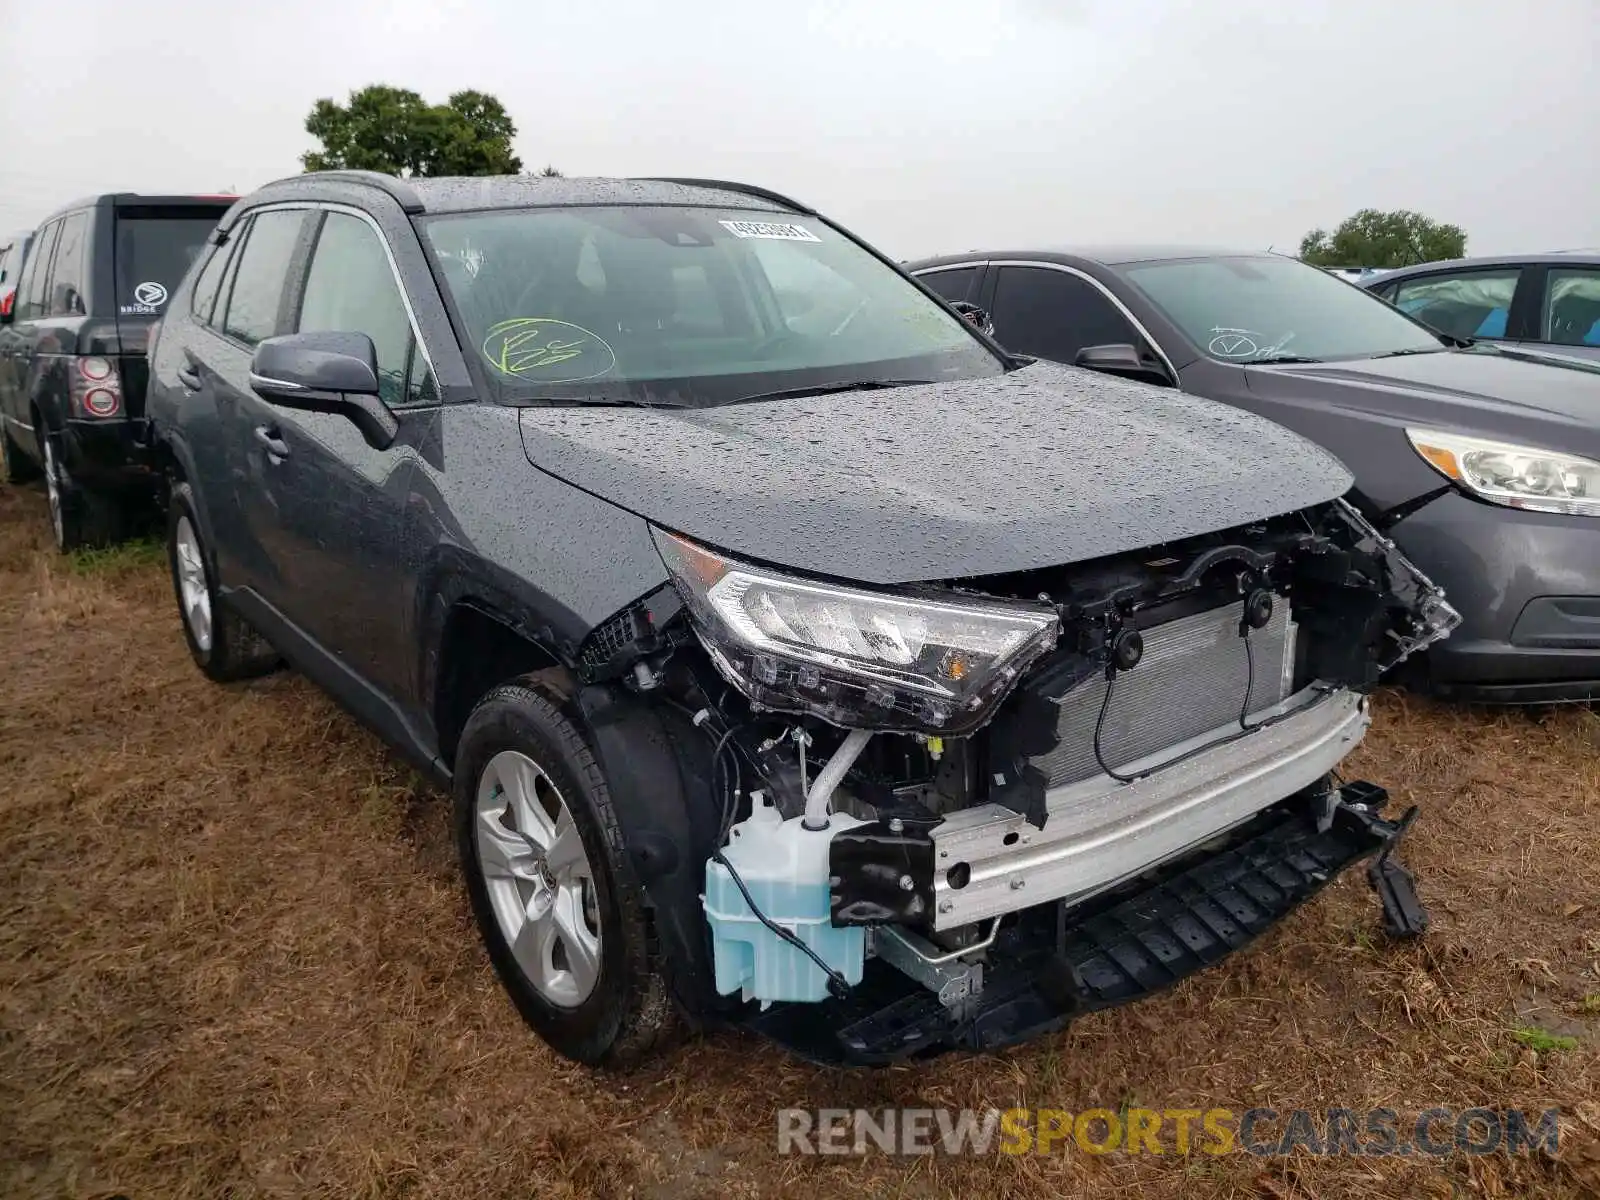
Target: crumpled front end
x: 960, y: 813
x: 1049, y: 963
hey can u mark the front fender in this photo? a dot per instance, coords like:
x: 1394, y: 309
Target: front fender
x: 1371, y: 443
x: 658, y: 771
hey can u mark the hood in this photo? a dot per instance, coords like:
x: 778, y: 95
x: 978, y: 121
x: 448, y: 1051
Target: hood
x: 1043, y: 466
x: 1497, y: 395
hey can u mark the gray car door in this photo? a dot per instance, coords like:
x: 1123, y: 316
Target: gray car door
x: 186, y: 374
x: 250, y: 309
x: 1053, y: 313
x: 338, y: 502
x: 1471, y: 303
x: 1569, y: 311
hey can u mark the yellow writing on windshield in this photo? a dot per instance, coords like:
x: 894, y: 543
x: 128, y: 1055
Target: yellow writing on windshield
x: 527, y: 347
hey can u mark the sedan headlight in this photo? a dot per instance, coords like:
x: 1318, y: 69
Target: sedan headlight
x: 856, y: 658
x: 1517, y: 476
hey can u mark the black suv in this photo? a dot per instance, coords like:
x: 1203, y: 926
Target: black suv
x: 796, y: 657
x: 72, y: 352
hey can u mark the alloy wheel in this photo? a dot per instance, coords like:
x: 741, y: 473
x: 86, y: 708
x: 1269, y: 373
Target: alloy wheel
x: 538, y: 878
x: 192, y: 585
x: 52, y: 487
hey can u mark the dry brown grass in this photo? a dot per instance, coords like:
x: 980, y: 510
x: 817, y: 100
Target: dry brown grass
x: 235, y: 961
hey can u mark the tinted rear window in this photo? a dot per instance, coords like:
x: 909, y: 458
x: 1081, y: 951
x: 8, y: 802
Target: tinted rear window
x: 154, y: 249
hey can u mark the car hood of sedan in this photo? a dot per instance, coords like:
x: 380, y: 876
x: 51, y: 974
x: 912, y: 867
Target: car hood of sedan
x: 1509, y: 396
x: 1043, y: 466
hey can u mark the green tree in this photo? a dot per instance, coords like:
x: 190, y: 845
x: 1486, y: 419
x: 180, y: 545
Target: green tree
x: 394, y: 130
x: 1383, y: 239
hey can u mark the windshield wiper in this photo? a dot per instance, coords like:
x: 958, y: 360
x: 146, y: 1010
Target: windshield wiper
x: 1273, y: 359
x: 825, y: 389
x: 1413, y: 350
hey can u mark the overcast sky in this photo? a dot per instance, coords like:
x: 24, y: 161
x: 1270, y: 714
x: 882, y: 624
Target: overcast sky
x: 925, y: 125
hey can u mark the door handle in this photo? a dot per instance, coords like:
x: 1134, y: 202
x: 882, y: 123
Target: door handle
x: 277, y: 449
x: 189, y: 377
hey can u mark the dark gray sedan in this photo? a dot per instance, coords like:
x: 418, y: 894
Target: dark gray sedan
x: 1483, y: 466
x: 1548, y: 303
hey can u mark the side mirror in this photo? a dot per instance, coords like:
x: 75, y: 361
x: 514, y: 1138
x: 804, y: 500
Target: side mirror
x: 329, y: 373
x: 1121, y: 358
x: 978, y: 316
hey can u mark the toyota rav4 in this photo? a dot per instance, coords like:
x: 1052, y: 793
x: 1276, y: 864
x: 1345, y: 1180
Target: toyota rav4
x: 797, y: 658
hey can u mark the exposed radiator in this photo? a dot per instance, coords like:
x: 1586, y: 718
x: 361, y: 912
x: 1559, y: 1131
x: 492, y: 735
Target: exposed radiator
x: 1191, y: 681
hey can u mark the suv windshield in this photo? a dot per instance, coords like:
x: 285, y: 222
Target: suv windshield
x: 687, y: 306
x: 154, y: 247
x: 1254, y: 309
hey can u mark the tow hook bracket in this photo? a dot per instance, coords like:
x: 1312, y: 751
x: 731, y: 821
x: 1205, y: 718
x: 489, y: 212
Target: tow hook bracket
x: 1403, y: 913
x: 954, y: 981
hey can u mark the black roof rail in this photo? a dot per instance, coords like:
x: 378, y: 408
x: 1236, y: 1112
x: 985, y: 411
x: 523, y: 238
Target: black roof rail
x: 393, y: 185
x: 744, y: 188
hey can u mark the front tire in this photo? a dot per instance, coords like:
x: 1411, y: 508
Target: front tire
x: 222, y: 644
x: 558, y: 906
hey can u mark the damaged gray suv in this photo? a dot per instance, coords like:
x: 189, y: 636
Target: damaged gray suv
x: 797, y: 659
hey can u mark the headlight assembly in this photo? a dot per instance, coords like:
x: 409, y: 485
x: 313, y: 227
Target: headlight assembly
x: 1516, y: 476
x: 856, y: 658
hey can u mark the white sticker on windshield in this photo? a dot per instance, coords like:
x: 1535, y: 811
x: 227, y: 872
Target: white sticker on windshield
x: 769, y: 229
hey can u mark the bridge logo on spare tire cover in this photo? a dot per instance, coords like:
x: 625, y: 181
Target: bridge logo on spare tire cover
x: 151, y: 293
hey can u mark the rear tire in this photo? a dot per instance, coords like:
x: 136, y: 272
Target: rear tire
x: 222, y: 644
x: 589, y: 981
x: 80, y: 518
x: 19, y: 467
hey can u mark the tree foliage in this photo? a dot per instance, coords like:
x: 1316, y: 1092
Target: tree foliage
x: 394, y: 130
x: 1383, y: 239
